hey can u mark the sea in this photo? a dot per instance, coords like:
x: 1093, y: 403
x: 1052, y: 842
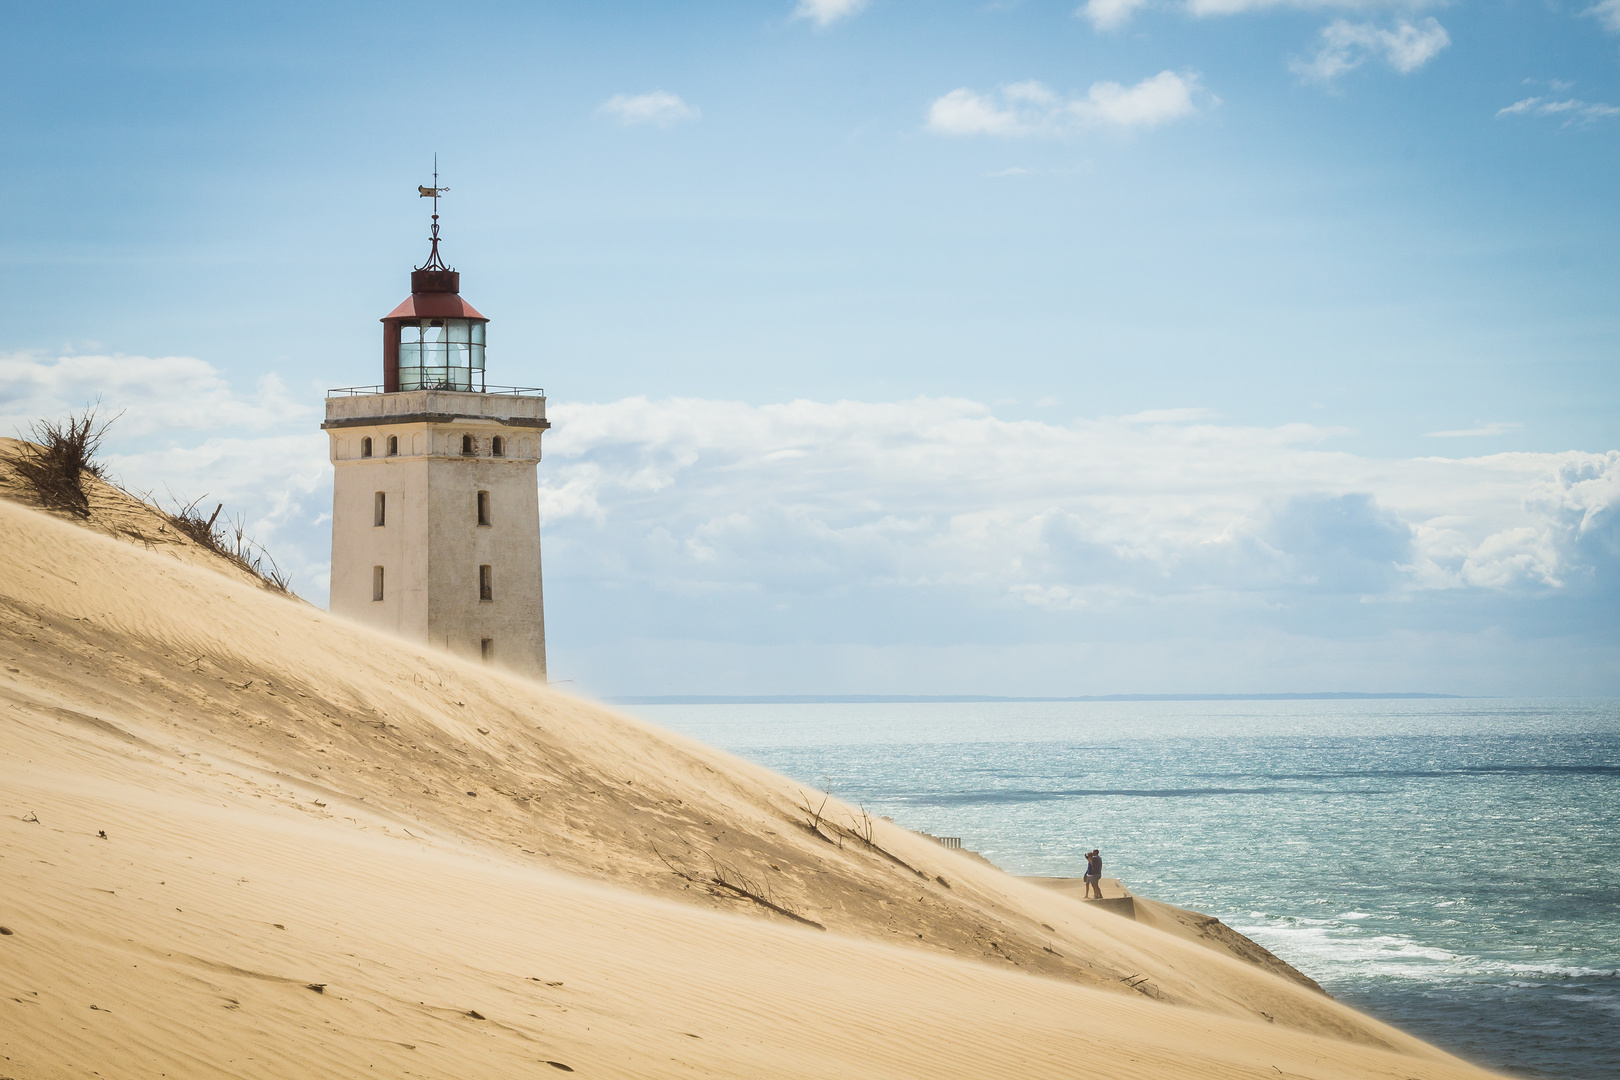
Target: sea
x: 1451, y: 866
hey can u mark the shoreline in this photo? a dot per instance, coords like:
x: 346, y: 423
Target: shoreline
x: 1195, y: 926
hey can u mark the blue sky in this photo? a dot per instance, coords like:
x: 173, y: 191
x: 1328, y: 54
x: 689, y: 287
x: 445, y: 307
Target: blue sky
x: 893, y: 347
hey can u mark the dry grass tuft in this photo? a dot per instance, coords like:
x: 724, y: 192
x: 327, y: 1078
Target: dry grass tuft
x: 55, y: 459
x: 229, y: 540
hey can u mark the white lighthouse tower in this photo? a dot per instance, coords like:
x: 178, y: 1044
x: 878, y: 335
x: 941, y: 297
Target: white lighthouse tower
x: 435, y: 508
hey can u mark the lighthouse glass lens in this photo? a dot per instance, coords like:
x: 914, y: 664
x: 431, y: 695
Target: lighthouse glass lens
x: 440, y: 354
x: 410, y: 356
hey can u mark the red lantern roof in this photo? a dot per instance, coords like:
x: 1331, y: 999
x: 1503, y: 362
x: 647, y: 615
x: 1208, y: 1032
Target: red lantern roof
x: 434, y: 305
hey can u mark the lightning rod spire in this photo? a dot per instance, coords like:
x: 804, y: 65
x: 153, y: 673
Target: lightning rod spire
x: 434, y: 262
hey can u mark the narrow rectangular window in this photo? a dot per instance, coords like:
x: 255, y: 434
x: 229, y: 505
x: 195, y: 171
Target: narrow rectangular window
x: 486, y: 648
x: 486, y: 583
x: 483, y: 508
x: 376, y: 583
x: 381, y: 506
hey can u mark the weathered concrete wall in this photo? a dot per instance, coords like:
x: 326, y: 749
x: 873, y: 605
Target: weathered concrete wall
x: 431, y: 545
x: 510, y: 545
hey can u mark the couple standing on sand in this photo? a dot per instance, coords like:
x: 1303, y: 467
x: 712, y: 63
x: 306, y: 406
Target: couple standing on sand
x: 1093, y: 878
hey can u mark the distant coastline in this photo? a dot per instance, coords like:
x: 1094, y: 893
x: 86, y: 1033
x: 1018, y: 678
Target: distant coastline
x: 941, y: 699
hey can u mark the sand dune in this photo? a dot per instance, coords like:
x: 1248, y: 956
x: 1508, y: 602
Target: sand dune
x: 482, y: 876
x: 114, y: 513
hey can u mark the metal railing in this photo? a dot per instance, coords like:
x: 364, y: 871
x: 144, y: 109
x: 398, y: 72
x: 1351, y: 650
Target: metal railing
x: 505, y: 391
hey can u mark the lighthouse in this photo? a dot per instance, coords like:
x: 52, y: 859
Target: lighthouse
x: 435, y: 506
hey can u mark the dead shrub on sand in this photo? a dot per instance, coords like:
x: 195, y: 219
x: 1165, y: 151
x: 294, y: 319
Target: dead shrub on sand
x: 861, y: 827
x: 864, y: 829
x: 813, y: 815
x: 56, y: 456
x: 728, y: 877
x: 229, y: 540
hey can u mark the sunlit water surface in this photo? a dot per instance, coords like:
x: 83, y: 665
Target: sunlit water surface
x: 1452, y: 867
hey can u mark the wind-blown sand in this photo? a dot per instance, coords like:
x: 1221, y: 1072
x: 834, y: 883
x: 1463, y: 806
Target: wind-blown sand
x: 482, y: 876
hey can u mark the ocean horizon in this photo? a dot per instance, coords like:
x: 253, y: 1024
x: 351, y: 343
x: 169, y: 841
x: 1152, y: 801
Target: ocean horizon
x: 909, y: 699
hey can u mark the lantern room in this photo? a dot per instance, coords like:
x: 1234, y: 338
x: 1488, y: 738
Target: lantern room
x: 435, y: 339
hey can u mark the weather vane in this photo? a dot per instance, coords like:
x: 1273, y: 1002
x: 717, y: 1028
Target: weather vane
x: 434, y: 262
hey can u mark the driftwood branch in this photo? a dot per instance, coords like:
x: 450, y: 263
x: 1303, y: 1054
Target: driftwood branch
x: 734, y: 881
x: 813, y: 816
x: 865, y: 830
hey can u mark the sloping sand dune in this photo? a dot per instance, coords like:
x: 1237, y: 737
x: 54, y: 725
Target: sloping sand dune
x: 483, y: 876
x: 116, y: 514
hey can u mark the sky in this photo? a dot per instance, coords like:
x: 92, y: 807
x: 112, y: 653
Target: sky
x: 1006, y: 348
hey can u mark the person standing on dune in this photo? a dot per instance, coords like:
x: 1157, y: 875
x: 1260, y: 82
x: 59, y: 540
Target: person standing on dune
x: 1093, y: 878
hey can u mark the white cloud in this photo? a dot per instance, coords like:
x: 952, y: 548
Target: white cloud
x: 1608, y: 13
x: 1346, y: 46
x: 875, y: 530
x: 1166, y: 96
x: 700, y: 495
x: 1030, y: 108
x: 823, y: 12
x: 963, y: 112
x: 687, y: 540
x: 1167, y: 416
x: 659, y: 107
x: 161, y: 393
x: 1572, y: 110
x: 1112, y: 14
x: 1494, y: 427
x: 1237, y: 7
x: 708, y: 498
